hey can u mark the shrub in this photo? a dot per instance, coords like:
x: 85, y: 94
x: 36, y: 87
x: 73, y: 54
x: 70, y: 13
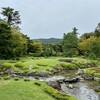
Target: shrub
x: 8, y: 65
x: 68, y: 66
x: 21, y: 65
x: 26, y: 79
x: 92, y: 56
x: 6, y: 78
x: 42, y: 63
x: 16, y: 79
x: 37, y: 83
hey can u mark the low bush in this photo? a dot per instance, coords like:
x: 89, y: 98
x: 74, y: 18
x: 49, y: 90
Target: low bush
x: 6, y: 78
x: 68, y: 66
x: 21, y: 65
x: 8, y: 65
x: 92, y: 56
x: 26, y: 79
x: 37, y: 83
x: 42, y: 64
x: 16, y: 79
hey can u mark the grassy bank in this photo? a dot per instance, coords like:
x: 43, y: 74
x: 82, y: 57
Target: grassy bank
x: 94, y: 71
x: 46, y: 64
x: 29, y: 90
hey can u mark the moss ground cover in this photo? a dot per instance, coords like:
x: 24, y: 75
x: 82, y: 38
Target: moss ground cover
x: 46, y: 64
x: 29, y: 90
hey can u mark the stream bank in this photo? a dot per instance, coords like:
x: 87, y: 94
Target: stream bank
x: 83, y: 90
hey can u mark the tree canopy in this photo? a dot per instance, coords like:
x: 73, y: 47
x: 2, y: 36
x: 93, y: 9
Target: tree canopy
x: 12, y: 17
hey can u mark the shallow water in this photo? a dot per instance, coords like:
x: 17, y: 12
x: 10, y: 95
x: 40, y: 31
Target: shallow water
x: 82, y: 90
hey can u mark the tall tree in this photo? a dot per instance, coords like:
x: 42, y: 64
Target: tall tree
x: 97, y: 31
x: 70, y: 42
x: 5, y: 36
x: 12, y: 17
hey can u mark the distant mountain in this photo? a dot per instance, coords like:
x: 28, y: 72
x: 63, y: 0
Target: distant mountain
x: 50, y: 40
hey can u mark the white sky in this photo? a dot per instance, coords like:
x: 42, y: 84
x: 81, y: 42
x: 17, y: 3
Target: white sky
x: 52, y: 18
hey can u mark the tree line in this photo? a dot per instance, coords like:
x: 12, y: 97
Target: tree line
x: 14, y: 44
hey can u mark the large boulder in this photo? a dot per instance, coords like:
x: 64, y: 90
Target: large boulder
x: 54, y: 84
x: 71, y: 80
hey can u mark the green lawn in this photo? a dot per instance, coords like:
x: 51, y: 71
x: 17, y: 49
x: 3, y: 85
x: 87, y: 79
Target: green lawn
x: 47, y: 64
x: 21, y: 90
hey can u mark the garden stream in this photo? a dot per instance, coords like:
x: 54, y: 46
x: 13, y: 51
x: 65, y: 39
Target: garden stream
x: 82, y: 90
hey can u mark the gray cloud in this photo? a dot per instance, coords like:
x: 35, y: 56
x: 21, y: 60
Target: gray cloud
x: 52, y: 18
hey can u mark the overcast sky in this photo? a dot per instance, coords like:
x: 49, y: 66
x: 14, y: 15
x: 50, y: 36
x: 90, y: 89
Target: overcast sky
x: 52, y: 18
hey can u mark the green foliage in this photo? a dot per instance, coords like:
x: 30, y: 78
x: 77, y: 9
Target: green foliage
x: 21, y: 65
x: 12, y: 17
x: 12, y: 42
x: 90, y: 42
x: 36, y: 54
x: 86, y: 54
x: 5, y: 37
x: 86, y: 36
x: 92, y: 56
x: 19, y: 43
x: 47, y: 50
x: 34, y: 47
x: 97, y: 31
x: 70, y: 42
